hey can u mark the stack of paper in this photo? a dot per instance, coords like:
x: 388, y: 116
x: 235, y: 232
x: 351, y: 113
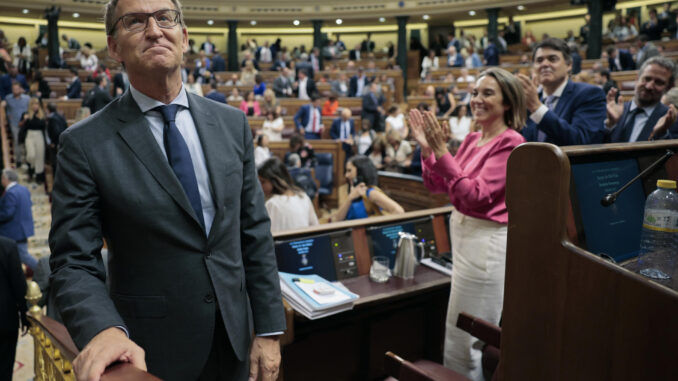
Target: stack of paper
x: 315, y: 297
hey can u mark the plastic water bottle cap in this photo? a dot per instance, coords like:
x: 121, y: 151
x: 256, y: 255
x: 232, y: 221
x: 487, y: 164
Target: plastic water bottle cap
x: 666, y: 184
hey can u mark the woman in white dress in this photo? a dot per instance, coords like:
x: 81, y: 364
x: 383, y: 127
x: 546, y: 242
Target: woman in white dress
x: 460, y: 125
x: 396, y: 121
x: 288, y: 205
x: 261, y: 151
x: 273, y: 126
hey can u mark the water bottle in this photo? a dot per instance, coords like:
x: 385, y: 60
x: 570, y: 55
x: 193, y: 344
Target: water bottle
x: 659, y: 238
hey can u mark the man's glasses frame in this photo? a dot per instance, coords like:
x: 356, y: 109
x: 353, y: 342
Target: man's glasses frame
x: 138, y: 21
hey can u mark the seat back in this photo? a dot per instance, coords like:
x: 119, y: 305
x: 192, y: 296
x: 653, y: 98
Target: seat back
x: 403, y: 370
x: 323, y: 172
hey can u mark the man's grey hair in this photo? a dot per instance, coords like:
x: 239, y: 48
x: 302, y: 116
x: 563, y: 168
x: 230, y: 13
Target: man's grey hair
x: 293, y: 160
x: 109, y: 15
x: 664, y: 62
x: 672, y: 97
x: 10, y: 174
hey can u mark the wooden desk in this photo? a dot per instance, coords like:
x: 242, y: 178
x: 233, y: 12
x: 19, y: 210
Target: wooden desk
x: 410, y: 192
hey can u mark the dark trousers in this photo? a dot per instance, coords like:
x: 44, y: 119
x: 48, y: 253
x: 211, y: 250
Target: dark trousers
x: 222, y: 363
x: 8, y: 342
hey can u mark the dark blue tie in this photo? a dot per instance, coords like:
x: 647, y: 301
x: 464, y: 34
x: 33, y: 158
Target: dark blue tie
x: 179, y: 158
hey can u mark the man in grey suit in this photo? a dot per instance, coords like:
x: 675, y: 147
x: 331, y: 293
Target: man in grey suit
x: 168, y: 179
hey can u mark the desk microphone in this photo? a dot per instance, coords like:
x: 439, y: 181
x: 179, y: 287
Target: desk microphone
x: 610, y: 198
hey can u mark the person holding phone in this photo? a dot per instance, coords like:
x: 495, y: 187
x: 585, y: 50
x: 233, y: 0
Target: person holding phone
x: 475, y: 181
x: 365, y: 199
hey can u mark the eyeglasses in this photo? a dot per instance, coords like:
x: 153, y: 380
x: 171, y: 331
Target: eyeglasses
x: 137, y: 22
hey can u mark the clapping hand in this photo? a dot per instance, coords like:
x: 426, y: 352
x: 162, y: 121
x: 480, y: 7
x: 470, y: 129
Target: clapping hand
x: 417, y: 128
x: 615, y: 108
x: 436, y: 136
x: 357, y: 191
x: 664, y: 123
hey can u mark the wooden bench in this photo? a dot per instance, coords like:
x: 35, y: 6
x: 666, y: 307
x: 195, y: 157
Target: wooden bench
x: 256, y: 124
x: 60, y: 88
x: 410, y: 192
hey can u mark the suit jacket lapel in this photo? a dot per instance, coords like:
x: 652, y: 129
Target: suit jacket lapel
x: 212, y: 147
x: 658, y: 112
x: 565, y: 98
x: 137, y: 134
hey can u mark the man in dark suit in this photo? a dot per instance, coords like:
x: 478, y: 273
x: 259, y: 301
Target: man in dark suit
x: 282, y: 86
x: 16, y: 216
x: 367, y: 45
x: 646, y: 50
x: 56, y: 125
x: 343, y: 130
x: 98, y: 97
x: 207, y: 46
x: 12, y: 305
x: 214, y: 94
x: 305, y: 86
x: 354, y: 54
x: 120, y: 83
x: 11, y: 77
x: 562, y: 112
x: 620, y: 59
x: 308, y: 119
x: 358, y: 83
x: 75, y: 88
x: 218, y: 63
x: 168, y: 179
x: 372, y: 107
x: 635, y: 120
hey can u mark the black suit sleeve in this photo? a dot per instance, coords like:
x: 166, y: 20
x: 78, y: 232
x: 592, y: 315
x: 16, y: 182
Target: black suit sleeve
x: 261, y: 270
x: 78, y: 274
x: 14, y: 273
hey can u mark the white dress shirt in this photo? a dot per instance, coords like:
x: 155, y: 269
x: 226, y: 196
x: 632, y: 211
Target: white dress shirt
x: 538, y: 115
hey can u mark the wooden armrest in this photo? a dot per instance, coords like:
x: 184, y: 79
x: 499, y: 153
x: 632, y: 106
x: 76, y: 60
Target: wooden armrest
x: 483, y: 330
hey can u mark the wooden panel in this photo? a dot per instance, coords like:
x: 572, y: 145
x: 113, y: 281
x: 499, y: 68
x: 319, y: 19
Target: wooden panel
x: 569, y: 315
x: 442, y: 234
x: 410, y: 192
x: 364, y: 262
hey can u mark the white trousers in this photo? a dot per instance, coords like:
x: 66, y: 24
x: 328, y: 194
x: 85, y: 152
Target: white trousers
x: 479, y: 264
x: 35, y: 150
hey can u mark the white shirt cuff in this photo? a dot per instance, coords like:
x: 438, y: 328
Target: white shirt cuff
x: 270, y: 334
x: 538, y: 115
x: 123, y: 329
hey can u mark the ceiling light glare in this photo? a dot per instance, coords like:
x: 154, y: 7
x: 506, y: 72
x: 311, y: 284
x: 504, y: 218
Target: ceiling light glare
x: 253, y: 22
x: 295, y: 22
x: 382, y: 19
x: 472, y: 13
x: 210, y: 22
x: 25, y: 11
x: 521, y: 7
x: 76, y: 15
x: 426, y: 17
x: 339, y: 21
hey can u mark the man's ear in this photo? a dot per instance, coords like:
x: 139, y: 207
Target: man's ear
x: 113, y: 48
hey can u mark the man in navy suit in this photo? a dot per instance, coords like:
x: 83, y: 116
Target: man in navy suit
x: 358, y: 83
x: 372, y: 107
x: 562, y: 112
x: 12, y: 76
x: 635, y: 120
x: 308, y: 119
x: 214, y: 94
x: 454, y: 59
x: 16, y: 218
x: 12, y: 305
x: 75, y: 88
x: 343, y: 130
x: 218, y: 63
x: 620, y: 59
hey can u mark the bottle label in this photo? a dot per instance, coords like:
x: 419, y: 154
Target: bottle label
x: 661, y: 220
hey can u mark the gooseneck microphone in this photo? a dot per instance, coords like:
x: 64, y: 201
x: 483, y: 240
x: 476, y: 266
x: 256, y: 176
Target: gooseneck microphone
x: 610, y: 198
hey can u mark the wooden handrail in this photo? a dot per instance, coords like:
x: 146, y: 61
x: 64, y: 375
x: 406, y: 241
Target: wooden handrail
x: 55, y: 349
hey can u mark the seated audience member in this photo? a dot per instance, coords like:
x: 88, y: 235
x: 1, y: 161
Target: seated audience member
x: 331, y: 106
x: 273, y: 126
x: 652, y: 27
x: 576, y: 58
x: 620, y: 59
x: 282, y: 84
x: 460, y: 123
x: 235, y: 95
x: 259, y: 86
x: 563, y: 112
x: 192, y: 86
x: 287, y: 205
x: 308, y: 119
x: 454, y: 59
x: 358, y: 84
x: 340, y: 86
x: 293, y: 161
x: 305, y: 87
x: 635, y: 120
x: 270, y: 103
x: 218, y: 63
x: 604, y: 79
x: 445, y: 103
x: 646, y: 50
x: 234, y: 81
x: 88, y: 60
x: 396, y: 121
x: 249, y: 105
x: 365, y: 137
x: 473, y: 60
x: 12, y: 76
x: 98, y: 97
x: 299, y: 146
x: 398, y: 153
x: 475, y: 181
x: 261, y: 151
x: 214, y: 94
x: 248, y: 73
x: 377, y: 152
x: 372, y: 107
x: 343, y: 130
x: 365, y: 199
x: 429, y: 63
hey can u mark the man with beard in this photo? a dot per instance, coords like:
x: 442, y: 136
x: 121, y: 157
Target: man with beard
x: 635, y: 120
x: 561, y: 111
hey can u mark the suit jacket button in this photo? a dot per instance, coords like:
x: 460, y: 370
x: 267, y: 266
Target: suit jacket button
x: 209, y: 298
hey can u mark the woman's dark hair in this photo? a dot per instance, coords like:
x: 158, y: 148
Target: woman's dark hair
x: 260, y: 139
x: 258, y: 79
x: 366, y: 172
x: 275, y: 171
